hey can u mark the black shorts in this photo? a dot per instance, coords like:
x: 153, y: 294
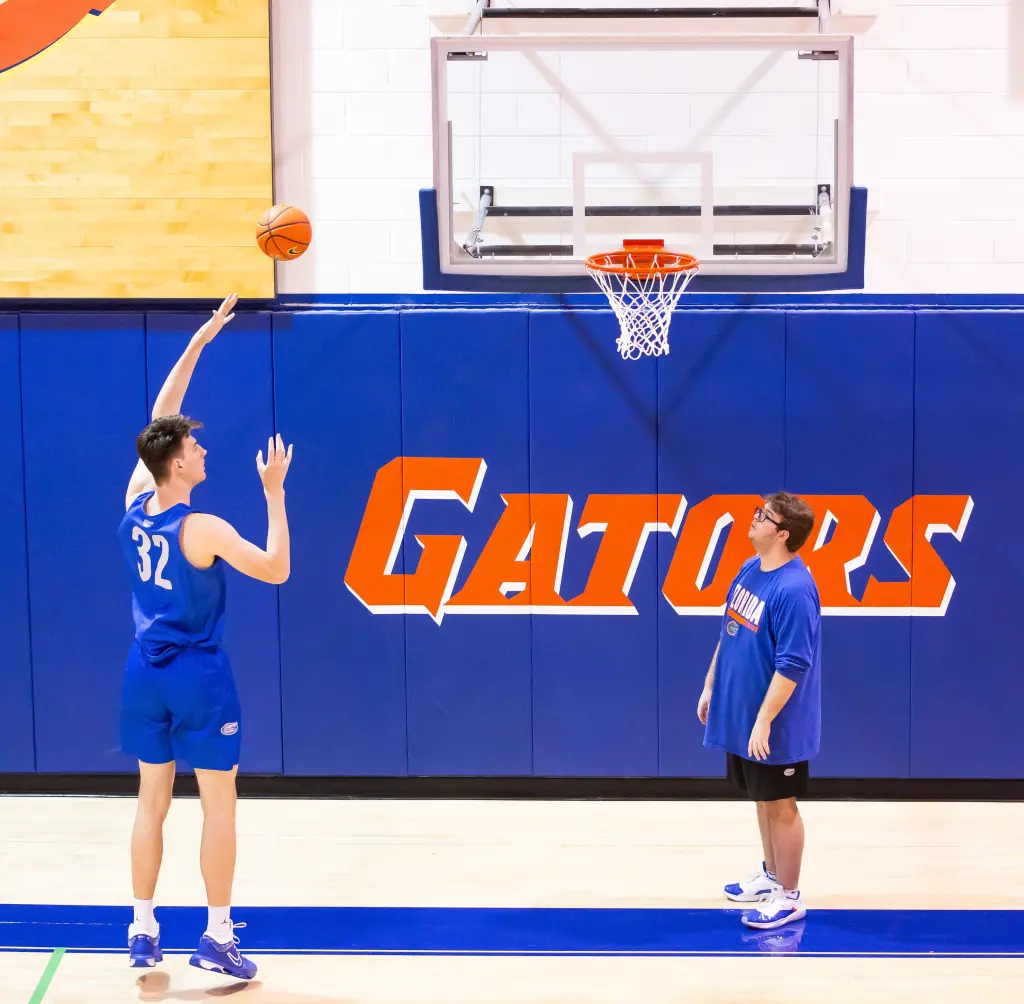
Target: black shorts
x: 767, y: 782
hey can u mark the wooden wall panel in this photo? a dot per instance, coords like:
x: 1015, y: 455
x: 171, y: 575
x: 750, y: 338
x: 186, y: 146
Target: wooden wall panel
x: 135, y: 154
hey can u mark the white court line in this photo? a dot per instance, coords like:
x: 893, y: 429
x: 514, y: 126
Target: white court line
x: 539, y: 953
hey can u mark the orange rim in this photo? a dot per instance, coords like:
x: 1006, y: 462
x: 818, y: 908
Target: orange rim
x: 642, y: 259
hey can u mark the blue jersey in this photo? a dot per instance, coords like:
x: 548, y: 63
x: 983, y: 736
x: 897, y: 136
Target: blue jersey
x: 176, y: 605
x: 772, y: 624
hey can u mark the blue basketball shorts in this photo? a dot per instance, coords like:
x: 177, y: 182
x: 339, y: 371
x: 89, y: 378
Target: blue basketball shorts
x: 184, y: 709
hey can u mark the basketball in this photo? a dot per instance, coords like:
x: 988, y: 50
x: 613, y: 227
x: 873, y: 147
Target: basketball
x: 284, y: 232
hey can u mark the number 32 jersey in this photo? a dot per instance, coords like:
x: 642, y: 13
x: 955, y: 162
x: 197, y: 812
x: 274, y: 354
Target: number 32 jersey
x: 175, y: 604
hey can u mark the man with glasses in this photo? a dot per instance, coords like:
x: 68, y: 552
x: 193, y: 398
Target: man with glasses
x: 762, y: 700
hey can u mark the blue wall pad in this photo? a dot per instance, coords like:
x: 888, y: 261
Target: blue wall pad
x: 17, y: 742
x: 337, y: 389
x: 465, y: 394
x: 83, y: 404
x: 965, y: 672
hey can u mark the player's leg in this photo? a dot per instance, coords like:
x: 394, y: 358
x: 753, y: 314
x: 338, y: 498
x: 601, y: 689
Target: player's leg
x: 778, y: 786
x: 208, y: 731
x: 145, y: 734
x: 218, y: 796
x: 787, y: 835
x: 156, y: 784
x: 764, y: 824
x: 762, y: 882
x: 218, y: 951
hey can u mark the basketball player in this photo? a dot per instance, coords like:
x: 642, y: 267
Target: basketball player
x: 179, y: 698
x: 762, y: 700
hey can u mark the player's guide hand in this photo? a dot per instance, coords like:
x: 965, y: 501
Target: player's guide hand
x: 273, y: 472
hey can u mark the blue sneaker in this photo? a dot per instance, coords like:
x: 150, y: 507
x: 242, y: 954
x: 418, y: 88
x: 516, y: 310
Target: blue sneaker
x: 775, y: 911
x: 224, y: 959
x: 144, y: 949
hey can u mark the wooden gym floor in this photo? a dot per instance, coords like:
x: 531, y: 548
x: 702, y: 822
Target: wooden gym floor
x: 525, y: 902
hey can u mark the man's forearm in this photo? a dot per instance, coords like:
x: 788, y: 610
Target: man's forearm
x: 780, y: 690
x: 172, y: 394
x: 278, y: 541
x: 710, y: 678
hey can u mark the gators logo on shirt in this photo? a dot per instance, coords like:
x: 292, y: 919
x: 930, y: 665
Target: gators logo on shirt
x: 746, y: 609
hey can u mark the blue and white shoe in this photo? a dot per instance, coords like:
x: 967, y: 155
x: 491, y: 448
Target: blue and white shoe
x: 753, y: 888
x: 144, y: 949
x: 224, y: 959
x: 775, y: 911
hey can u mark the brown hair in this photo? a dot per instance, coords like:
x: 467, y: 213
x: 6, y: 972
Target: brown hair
x: 160, y: 442
x: 797, y: 518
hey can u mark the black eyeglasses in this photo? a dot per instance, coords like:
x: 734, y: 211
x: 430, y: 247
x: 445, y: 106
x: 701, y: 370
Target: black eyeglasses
x: 760, y: 515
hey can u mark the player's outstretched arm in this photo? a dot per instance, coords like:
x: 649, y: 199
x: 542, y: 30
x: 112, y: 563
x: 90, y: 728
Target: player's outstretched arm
x: 168, y: 401
x: 172, y: 393
x: 207, y: 537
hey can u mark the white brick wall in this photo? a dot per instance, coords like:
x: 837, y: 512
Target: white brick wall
x: 940, y: 137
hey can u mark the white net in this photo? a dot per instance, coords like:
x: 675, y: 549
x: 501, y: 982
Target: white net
x: 643, y: 301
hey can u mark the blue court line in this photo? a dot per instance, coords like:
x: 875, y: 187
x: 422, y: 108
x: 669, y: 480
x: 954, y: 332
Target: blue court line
x: 506, y: 931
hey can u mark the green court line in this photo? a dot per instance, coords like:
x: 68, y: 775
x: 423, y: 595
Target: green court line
x: 47, y: 978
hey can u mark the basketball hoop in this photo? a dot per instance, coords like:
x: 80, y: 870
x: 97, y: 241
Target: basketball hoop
x: 643, y: 283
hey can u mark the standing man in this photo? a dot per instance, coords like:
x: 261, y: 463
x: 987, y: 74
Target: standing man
x: 179, y: 699
x: 762, y: 700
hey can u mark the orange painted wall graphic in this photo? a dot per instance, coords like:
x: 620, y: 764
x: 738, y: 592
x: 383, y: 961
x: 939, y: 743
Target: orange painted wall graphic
x: 29, y: 26
x: 520, y: 567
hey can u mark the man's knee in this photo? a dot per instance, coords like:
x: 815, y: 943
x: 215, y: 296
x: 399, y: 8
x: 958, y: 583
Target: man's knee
x: 156, y: 788
x: 217, y: 791
x: 781, y: 810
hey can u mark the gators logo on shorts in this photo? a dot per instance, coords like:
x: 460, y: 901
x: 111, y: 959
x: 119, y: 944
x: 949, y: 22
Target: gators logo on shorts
x: 229, y: 729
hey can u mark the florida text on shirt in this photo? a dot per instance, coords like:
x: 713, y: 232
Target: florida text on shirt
x: 744, y: 609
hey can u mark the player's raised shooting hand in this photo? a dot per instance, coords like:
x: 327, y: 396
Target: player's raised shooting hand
x: 274, y: 471
x: 221, y: 316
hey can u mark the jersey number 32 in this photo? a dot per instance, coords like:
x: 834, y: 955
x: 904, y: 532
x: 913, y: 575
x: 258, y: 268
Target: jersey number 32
x: 145, y: 565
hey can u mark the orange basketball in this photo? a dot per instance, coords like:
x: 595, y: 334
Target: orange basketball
x: 284, y: 232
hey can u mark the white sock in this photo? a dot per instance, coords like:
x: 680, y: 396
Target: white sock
x: 145, y: 922
x: 791, y: 893
x: 218, y: 924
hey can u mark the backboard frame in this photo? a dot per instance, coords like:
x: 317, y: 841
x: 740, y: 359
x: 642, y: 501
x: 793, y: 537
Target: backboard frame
x: 456, y: 269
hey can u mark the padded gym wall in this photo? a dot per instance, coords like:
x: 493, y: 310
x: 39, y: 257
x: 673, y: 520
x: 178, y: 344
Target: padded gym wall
x: 510, y: 546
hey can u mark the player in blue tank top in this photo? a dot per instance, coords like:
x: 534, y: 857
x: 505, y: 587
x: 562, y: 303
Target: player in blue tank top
x: 762, y: 700
x: 179, y: 700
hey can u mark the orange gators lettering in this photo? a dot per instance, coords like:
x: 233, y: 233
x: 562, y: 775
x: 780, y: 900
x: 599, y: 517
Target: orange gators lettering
x: 930, y: 585
x: 625, y: 521
x: 686, y: 585
x: 520, y: 567
x: 524, y: 556
x: 398, y: 485
x: 853, y: 522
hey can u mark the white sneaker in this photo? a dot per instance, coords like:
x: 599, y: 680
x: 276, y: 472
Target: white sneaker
x: 776, y: 910
x: 753, y: 888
